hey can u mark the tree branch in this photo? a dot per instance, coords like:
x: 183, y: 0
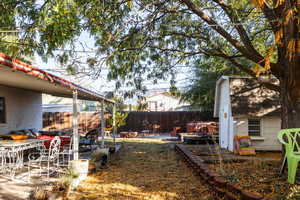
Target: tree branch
x: 240, y: 29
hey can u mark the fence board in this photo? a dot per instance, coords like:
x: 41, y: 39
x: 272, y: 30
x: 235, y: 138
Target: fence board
x: 63, y: 121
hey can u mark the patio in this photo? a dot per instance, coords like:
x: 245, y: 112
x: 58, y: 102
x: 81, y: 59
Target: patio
x: 21, y: 117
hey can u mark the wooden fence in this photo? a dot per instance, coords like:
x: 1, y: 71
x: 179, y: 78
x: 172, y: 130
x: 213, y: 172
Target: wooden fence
x: 163, y: 121
x: 63, y: 121
x: 136, y: 121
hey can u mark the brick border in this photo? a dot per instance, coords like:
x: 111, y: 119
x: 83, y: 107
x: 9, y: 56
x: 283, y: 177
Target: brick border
x: 219, y: 184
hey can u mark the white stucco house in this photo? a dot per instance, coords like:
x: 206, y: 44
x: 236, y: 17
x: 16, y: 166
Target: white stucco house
x: 246, y: 108
x: 21, y: 89
x: 164, y: 102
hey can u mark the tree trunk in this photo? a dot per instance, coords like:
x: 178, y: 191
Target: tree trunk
x: 289, y: 62
x: 290, y: 100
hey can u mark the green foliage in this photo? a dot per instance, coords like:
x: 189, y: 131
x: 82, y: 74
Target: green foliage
x: 68, y: 176
x: 201, y: 91
x: 120, y: 119
x: 120, y: 105
x: 29, y: 27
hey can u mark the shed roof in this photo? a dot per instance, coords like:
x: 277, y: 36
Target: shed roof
x: 248, y: 97
x: 15, y: 73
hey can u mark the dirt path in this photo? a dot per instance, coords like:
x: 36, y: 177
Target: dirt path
x: 146, y: 169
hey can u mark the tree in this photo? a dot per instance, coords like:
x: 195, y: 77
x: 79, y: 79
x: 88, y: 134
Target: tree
x: 201, y: 90
x: 29, y: 27
x: 147, y: 39
x: 142, y: 36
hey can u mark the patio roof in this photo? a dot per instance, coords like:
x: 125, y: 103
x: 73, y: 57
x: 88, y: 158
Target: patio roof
x: 15, y: 73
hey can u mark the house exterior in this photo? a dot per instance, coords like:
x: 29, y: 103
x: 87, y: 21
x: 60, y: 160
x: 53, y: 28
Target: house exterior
x: 164, y: 102
x: 21, y: 89
x: 246, y: 108
x: 21, y: 109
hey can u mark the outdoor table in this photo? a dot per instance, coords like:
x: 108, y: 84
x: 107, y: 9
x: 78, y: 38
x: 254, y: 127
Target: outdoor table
x: 12, y: 152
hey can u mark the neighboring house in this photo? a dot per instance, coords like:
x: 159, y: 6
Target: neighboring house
x: 61, y: 104
x: 21, y: 89
x: 163, y: 102
x: 246, y: 108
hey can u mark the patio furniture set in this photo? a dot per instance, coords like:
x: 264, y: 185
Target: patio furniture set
x: 47, y: 154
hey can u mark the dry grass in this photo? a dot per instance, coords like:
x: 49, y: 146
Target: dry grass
x: 145, y: 169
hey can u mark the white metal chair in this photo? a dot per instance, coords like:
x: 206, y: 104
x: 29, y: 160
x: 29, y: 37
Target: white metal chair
x: 49, y: 158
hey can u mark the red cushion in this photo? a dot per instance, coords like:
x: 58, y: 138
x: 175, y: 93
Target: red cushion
x: 64, y: 140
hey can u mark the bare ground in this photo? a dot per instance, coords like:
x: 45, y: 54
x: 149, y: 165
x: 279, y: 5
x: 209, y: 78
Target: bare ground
x: 144, y: 169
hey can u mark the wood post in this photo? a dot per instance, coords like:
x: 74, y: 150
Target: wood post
x: 102, y: 124
x: 75, y: 127
x: 114, y: 124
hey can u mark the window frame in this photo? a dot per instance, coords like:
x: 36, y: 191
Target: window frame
x: 255, y: 125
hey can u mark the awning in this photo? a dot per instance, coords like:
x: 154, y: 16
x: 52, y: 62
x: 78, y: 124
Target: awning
x: 15, y: 73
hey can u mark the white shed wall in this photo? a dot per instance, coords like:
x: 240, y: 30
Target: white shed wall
x: 225, y: 122
x: 23, y: 109
x: 269, y: 129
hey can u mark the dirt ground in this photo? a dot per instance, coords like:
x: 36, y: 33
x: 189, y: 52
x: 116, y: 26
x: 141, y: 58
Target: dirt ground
x: 253, y: 173
x: 144, y: 169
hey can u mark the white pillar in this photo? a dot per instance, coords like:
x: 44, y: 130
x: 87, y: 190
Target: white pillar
x: 102, y: 124
x: 75, y: 127
x: 114, y: 123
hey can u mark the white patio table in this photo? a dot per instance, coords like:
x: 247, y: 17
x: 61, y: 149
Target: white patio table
x: 12, y: 151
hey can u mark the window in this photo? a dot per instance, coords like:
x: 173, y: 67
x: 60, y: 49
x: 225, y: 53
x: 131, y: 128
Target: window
x: 2, y: 110
x: 254, y: 127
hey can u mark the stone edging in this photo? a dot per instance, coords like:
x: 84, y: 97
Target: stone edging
x: 218, y: 183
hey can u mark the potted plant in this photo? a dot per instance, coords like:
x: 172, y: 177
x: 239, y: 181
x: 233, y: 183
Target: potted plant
x: 69, y: 181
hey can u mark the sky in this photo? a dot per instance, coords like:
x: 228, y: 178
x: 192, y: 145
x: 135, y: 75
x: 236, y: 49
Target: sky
x: 102, y: 84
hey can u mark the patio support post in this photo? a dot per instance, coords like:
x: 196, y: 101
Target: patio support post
x: 102, y: 124
x: 114, y: 123
x: 75, y: 127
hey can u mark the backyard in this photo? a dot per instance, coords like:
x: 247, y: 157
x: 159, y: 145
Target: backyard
x: 144, y: 169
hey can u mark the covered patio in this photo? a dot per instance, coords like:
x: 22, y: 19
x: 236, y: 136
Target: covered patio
x: 21, y: 86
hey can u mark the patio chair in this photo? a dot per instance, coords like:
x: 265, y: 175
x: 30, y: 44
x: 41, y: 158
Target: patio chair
x: 289, y: 138
x: 48, y: 157
x: 65, y: 154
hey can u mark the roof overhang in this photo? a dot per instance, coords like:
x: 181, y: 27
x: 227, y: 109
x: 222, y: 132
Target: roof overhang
x: 15, y: 73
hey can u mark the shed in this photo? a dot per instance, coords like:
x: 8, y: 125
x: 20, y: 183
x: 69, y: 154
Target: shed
x: 246, y: 108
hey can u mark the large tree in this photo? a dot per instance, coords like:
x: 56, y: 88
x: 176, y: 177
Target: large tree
x: 140, y: 36
x: 141, y: 39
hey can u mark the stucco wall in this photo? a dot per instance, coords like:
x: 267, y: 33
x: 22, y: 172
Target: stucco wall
x: 23, y: 109
x: 269, y: 129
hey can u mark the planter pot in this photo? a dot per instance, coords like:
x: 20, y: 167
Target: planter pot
x: 80, y: 167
